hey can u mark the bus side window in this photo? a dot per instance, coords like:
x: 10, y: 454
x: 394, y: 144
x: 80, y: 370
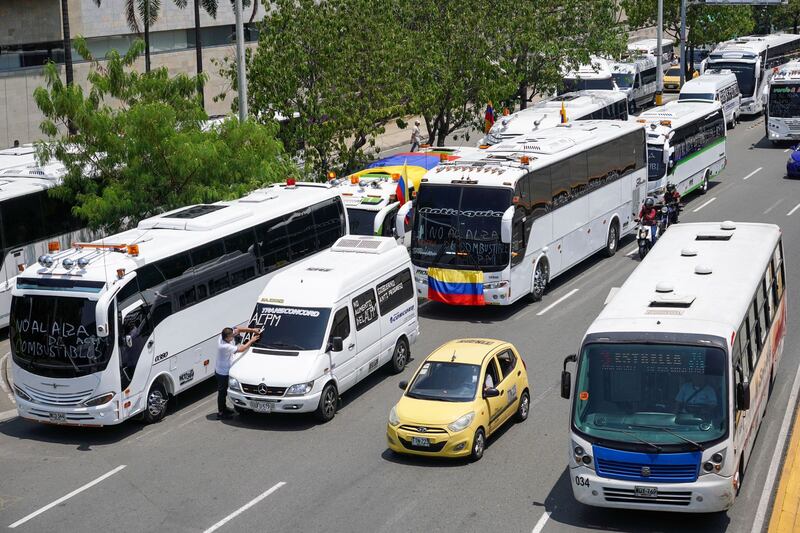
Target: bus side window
x: 762, y: 314
x: 754, y: 335
x: 273, y: 244
x: 743, y: 346
x: 777, y: 264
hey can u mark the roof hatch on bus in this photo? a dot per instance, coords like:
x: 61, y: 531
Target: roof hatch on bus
x: 364, y: 245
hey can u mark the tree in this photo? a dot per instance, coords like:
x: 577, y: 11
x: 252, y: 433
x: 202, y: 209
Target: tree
x: 330, y: 64
x: 148, y: 151
x: 787, y: 16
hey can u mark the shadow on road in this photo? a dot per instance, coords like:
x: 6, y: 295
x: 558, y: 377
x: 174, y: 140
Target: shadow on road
x: 565, y: 510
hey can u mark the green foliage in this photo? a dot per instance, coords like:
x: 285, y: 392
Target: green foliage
x: 707, y: 25
x: 140, y: 146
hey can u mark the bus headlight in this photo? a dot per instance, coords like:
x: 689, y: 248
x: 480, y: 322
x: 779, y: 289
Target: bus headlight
x: 495, y: 285
x: 233, y: 383
x: 581, y: 456
x: 714, y: 463
x: 22, y: 394
x: 99, y: 400
x: 300, y: 389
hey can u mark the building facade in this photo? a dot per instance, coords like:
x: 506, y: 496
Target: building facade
x: 31, y: 35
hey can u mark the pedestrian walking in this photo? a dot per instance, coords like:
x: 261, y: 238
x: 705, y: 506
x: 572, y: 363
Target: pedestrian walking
x: 488, y: 117
x: 416, y: 137
x: 225, y: 351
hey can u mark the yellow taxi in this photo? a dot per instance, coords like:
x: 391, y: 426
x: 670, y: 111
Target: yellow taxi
x: 462, y: 393
x: 672, y: 79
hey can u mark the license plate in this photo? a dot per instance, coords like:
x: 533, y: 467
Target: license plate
x: 58, y: 417
x: 420, y: 441
x: 646, y: 492
x: 262, y: 407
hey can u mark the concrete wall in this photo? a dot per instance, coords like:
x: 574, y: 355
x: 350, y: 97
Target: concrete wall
x: 30, y: 21
x: 20, y: 117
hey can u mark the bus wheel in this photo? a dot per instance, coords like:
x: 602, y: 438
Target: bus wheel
x: 613, y: 240
x: 704, y: 186
x: 400, y: 356
x: 328, y: 402
x: 540, y: 277
x: 157, y: 399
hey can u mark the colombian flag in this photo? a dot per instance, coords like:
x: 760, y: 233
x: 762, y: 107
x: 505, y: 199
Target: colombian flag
x: 402, y: 186
x: 455, y: 287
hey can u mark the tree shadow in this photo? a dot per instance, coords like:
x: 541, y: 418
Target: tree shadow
x: 564, y: 509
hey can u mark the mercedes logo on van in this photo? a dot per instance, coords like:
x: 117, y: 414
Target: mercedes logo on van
x: 262, y: 389
x: 645, y: 471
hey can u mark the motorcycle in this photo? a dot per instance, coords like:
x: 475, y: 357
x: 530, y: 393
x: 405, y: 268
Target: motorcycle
x: 644, y: 239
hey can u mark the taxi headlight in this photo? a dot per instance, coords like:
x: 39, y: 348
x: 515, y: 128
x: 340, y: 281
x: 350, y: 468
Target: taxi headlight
x: 462, y: 423
x: 233, y: 383
x: 300, y: 389
x: 394, y: 420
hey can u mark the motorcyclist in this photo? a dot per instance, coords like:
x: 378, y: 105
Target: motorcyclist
x: 672, y: 199
x: 647, y: 217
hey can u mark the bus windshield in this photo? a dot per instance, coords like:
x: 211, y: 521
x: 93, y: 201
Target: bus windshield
x: 362, y: 222
x: 652, y: 394
x: 623, y: 80
x: 656, y: 168
x: 56, y: 336
x: 290, y: 328
x: 458, y: 226
x: 784, y: 101
x: 745, y: 75
x: 580, y: 84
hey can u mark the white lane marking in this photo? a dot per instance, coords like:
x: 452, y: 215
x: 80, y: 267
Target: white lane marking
x: 552, y: 305
x: 3, y: 379
x: 753, y: 173
x: 8, y: 415
x: 541, y: 523
x: 775, y: 463
x: 67, y: 497
x: 242, y: 509
x: 703, y: 205
x: 773, y: 206
x: 632, y: 252
x: 786, y: 150
x: 795, y: 208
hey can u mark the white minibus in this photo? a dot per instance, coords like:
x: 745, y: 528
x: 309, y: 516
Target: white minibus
x: 371, y: 202
x: 674, y: 376
x: 637, y: 79
x: 685, y: 145
x: 326, y: 324
x: 491, y: 230
x: 783, y: 104
x: 595, y: 75
x: 579, y: 105
x: 649, y: 47
x: 715, y: 86
x: 105, y: 331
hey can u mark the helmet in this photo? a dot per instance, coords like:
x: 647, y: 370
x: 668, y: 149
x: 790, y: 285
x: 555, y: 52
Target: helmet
x: 649, y: 202
x: 671, y: 187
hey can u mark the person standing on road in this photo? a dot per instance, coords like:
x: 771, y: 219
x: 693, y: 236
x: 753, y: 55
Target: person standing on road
x: 227, y: 347
x: 416, y: 137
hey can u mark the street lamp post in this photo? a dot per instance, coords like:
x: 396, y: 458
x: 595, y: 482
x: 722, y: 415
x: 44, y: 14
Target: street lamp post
x: 241, y: 76
x: 659, y: 54
x: 683, y: 43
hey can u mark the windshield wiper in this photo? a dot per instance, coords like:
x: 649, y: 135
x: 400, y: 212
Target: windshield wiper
x: 280, y: 344
x: 656, y: 447
x: 697, y: 445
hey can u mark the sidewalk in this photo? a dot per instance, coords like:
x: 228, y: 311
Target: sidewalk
x: 786, y: 508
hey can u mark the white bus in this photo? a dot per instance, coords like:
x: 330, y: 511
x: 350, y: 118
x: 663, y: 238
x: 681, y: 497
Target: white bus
x: 715, y: 86
x: 751, y: 59
x: 674, y: 375
x: 783, y: 104
x: 685, y: 145
x: 528, y: 209
x: 595, y: 75
x: 637, y: 79
x: 579, y: 105
x: 371, y: 202
x: 649, y: 47
x: 30, y: 218
x: 105, y: 331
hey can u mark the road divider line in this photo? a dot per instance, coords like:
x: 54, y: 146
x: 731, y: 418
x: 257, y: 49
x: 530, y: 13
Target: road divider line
x: 67, y: 497
x: 245, y: 507
x: 786, y: 150
x: 541, y: 523
x: 795, y: 208
x: 632, y: 252
x: 775, y: 463
x: 753, y: 173
x: 552, y: 305
x: 704, y: 204
x: 773, y: 206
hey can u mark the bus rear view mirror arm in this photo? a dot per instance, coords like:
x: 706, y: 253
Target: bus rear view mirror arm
x: 566, y: 377
x: 506, y: 225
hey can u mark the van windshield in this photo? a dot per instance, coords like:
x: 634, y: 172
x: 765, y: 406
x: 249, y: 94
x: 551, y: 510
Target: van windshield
x: 290, y: 328
x: 697, y: 96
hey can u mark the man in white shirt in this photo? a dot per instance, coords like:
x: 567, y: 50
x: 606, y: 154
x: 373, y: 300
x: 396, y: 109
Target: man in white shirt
x: 416, y: 137
x: 225, y: 350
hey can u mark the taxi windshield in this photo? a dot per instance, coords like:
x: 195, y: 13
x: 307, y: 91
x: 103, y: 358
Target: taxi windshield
x: 445, y: 382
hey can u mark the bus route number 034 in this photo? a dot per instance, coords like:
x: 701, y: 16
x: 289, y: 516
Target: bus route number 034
x: 581, y: 481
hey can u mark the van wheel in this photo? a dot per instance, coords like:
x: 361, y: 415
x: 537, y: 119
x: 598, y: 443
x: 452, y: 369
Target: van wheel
x: 540, y: 277
x: 157, y: 400
x: 328, y: 402
x: 613, y: 240
x: 400, y: 356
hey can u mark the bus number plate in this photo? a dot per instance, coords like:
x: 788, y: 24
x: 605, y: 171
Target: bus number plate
x: 646, y: 492
x: 58, y: 417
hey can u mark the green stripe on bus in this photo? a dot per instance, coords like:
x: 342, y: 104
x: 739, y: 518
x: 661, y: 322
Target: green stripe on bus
x: 709, y: 147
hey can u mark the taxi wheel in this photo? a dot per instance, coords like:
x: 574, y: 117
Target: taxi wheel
x: 478, y: 445
x: 400, y: 356
x: 524, y: 407
x: 328, y: 402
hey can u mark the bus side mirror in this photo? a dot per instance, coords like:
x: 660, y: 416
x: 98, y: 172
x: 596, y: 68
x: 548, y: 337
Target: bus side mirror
x: 400, y: 226
x: 566, y: 377
x: 506, y: 225
x: 336, y: 344
x: 743, y: 396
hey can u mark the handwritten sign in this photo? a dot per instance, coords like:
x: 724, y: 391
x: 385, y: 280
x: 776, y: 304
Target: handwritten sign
x: 365, y: 309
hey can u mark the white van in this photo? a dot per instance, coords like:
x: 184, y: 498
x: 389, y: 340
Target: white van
x: 637, y: 79
x: 327, y: 323
x: 715, y: 86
